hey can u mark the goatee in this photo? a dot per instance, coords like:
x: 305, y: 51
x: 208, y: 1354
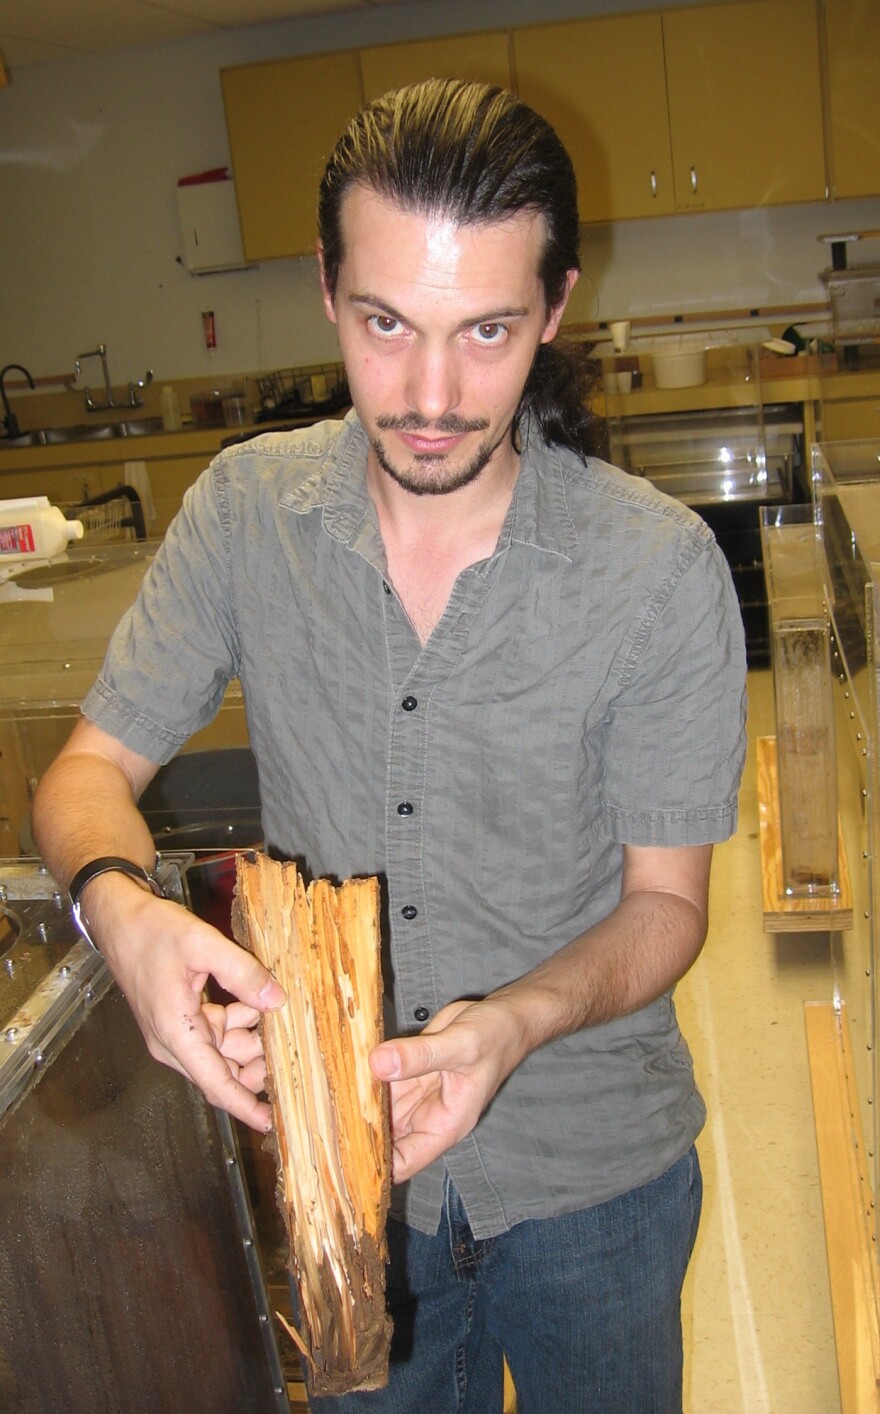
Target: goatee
x: 429, y: 475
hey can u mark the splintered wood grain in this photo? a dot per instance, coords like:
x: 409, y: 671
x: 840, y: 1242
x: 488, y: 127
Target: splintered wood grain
x: 331, y: 1136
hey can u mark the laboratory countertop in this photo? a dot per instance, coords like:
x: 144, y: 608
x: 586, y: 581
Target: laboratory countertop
x: 724, y: 388
x: 188, y: 441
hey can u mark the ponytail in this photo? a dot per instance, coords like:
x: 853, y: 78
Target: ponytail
x: 556, y: 397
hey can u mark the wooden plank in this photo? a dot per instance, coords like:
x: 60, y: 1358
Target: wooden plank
x: 331, y: 1137
x: 847, y: 1206
x: 782, y: 913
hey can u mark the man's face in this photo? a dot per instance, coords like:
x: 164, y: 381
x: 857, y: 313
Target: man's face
x: 438, y: 326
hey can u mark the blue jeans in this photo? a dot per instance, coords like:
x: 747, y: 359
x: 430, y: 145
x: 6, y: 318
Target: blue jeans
x: 586, y: 1309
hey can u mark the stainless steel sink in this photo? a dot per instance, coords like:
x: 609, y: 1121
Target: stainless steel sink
x: 136, y: 427
x: 50, y: 436
x: 85, y: 432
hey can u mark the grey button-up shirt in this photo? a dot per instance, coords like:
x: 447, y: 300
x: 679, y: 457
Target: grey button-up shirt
x: 583, y: 690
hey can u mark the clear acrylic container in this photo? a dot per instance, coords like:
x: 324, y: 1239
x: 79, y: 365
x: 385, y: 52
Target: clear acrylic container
x: 846, y: 490
x: 55, y: 624
x: 130, y: 1275
x: 800, y: 638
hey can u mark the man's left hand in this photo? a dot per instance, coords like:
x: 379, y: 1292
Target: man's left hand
x: 441, y: 1081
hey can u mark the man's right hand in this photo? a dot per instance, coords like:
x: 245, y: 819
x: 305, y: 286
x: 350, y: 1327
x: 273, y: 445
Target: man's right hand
x: 162, y: 956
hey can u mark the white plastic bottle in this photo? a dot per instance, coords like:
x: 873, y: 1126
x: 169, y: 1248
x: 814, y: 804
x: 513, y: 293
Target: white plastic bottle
x: 171, y: 418
x: 32, y: 529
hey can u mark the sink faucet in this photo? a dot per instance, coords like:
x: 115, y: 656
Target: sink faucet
x: 134, y: 400
x: 10, y: 421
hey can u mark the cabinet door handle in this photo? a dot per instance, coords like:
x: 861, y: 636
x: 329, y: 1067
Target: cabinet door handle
x: 693, y: 179
x: 653, y: 183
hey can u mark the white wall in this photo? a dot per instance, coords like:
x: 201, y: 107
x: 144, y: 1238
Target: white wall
x: 91, y: 150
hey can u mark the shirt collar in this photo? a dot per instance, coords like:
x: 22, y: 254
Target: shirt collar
x: 538, y: 514
x: 338, y: 489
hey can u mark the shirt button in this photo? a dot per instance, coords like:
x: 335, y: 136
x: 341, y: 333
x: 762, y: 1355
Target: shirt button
x: 421, y: 1013
x: 409, y: 704
x: 386, y: 586
x: 404, y: 808
x: 410, y: 912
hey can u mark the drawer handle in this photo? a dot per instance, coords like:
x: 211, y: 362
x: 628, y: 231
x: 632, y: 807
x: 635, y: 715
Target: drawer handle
x: 653, y: 183
x: 693, y: 179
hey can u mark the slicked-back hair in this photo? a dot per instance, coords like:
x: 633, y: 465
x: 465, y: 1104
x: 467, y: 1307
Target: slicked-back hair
x: 474, y: 154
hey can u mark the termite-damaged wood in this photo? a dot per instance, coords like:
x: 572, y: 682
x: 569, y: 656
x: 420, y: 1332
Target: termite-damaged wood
x: 331, y: 1136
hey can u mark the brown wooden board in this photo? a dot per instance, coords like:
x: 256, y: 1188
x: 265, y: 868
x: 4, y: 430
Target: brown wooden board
x: 331, y: 1136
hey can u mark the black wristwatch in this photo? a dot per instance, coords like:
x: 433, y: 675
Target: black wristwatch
x: 105, y: 865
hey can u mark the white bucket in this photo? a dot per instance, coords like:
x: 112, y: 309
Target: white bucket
x: 679, y: 362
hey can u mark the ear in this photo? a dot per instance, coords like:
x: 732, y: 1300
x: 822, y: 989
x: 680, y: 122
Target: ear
x: 329, y: 306
x: 554, y: 317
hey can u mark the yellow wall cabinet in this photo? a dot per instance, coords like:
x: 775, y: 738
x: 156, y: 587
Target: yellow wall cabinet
x: 744, y: 104
x: 602, y: 85
x: 852, y: 29
x: 283, y: 120
x: 703, y: 108
x: 483, y: 58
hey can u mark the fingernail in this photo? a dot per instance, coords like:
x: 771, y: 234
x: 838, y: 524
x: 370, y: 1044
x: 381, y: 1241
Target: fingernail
x: 389, y: 1063
x: 272, y: 994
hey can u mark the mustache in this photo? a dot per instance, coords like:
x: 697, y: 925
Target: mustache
x: 449, y: 423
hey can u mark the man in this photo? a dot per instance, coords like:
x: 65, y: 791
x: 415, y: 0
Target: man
x: 509, y: 680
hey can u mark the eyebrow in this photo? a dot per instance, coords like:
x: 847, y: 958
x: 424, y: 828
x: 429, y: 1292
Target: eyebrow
x: 491, y: 317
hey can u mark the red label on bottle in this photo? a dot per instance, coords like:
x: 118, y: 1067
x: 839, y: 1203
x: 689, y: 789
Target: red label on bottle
x: 17, y: 540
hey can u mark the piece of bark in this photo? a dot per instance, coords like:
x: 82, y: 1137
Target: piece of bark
x: 331, y: 1137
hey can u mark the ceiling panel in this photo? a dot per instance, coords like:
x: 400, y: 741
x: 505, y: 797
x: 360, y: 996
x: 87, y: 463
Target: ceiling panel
x: 233, y: 14
x: 36, y: 31
x: 89, y: 26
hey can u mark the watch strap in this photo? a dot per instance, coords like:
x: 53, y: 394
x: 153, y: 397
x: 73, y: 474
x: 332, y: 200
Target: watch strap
x: 107, y: 864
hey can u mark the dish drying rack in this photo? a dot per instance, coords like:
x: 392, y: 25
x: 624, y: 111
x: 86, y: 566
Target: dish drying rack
x: 288, y: 391
x: 112, y: 515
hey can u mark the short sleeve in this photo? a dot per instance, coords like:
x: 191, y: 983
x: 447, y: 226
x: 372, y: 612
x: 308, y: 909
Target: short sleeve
x: 175, y: 650
x: 676, y: 731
